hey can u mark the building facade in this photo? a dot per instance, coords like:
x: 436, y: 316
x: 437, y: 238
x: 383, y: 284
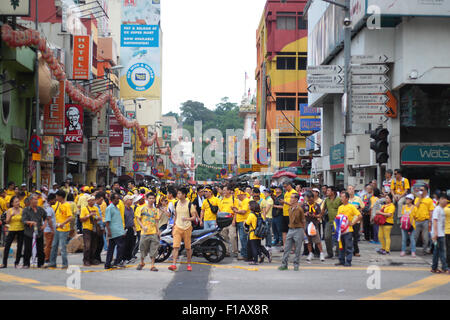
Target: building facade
x: 282, y: 48
x: 413, y: 40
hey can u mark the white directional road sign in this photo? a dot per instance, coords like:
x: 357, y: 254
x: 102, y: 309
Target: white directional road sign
x: 331, y: 69
x: 369, y: 79
x: 370, y: 109
x: 370, y: 69
x: 368, y: 59
x: 369, y: 118
x: 369, y: 88
x: 316, y: 88
x: 325, y: 79
x: 366, y: 98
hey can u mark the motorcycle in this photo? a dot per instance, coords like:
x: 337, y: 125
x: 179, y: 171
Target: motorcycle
x: 206, y: 243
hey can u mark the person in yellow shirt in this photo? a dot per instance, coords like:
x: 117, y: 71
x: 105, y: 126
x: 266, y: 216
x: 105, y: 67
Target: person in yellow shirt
x: 399, y: 189
x: 139, y: 204
x: 384, y: 232
x: 447, y: 231
x: 89, y: 216
x: 148, y: 218
x: 241, y: 213
x: 250, y: 224
x: 15, y: 231
x: 425, y: 207
x: 63, y: 216
x: 3, y: 206
x: 208, y: 219
x: 229, y: 233
x: 289, y: 191
x: 409, y: 211
x: 353, y: 216
x: 11, y: 190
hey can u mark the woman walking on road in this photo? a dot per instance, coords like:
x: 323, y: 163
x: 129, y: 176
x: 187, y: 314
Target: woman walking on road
x: 15, y: 231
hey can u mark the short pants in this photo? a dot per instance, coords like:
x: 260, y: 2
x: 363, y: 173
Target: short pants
x: 180, y: 234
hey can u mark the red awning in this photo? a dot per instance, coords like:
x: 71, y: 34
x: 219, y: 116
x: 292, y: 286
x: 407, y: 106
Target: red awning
x: 284, y: 174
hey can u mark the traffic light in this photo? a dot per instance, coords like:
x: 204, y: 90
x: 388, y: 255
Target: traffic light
x: 380, y: 145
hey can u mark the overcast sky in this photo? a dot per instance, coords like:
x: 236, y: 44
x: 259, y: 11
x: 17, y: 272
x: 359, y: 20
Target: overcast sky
x: 208, y: 45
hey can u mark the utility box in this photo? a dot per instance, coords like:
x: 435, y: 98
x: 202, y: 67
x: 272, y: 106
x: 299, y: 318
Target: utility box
x: 358, y: 149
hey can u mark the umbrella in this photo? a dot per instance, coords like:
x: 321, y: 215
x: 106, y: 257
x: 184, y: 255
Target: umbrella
x: 280, y: 174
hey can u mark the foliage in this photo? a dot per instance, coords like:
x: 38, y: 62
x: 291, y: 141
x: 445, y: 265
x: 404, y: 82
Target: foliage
x: 225, y: 116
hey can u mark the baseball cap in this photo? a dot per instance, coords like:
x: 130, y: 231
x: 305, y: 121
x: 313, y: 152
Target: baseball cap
x: 90, y: 198
x: 138, y: 197
x: 316, y: 190
x: 410, y: 196
x: 128, y: 198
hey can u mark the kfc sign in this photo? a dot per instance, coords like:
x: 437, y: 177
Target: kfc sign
x: 81, y: 54
x: 73, y: 130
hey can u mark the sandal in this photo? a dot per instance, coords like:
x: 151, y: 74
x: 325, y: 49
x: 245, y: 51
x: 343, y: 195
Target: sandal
x: 436, y: 271
x: 140, y: 266
x: 154, y: 269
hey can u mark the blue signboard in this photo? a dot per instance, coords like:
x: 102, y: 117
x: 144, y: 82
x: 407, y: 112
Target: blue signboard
x: 140, y: 77
x: 308, y: 111
x: 135, y: 35
x: 310, y: 124
x: 337, y: 154
x: 417, y: 155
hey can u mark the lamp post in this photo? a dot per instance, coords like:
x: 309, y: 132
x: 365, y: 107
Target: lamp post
x: 139, y: 99
x: 347, y: 99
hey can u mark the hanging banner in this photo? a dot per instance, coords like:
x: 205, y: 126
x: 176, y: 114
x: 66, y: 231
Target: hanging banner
x: 48, y: 149
x: 73, y: 130
x: 115, y: 137
x: 140, y: 47
x: 142, y: 153
x: 81, y: 57
x: 103, y: 152
x: 54, y: 114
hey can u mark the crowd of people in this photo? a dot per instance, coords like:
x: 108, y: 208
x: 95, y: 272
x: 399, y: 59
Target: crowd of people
x: 321, y: 221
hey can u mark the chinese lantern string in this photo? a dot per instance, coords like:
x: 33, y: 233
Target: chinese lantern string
x: 14, y: 39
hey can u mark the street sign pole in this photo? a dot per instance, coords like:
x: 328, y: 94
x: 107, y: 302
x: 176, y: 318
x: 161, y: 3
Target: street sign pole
x: 348, y: 88
x: 36, y: 99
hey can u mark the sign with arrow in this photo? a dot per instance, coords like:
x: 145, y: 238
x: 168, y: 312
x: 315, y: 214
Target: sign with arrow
x: 325, y: 79
x: 369, y: 118
x: 370, y: 109
x: 370, y: 69
x: 370, y: 59
x: 315, y: 88
x: 376, y: 98
x: 369, y: 88
x: 369, y: 79
x: 330, y: 69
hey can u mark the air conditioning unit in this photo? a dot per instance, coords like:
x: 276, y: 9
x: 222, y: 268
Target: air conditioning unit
x: 302, y: 152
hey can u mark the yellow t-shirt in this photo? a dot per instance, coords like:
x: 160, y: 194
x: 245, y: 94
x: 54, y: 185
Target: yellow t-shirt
x: 268, y: 202
x: 10, y: 193
x: 400, y: 187
x: 121, y: 207
x: 3, y: 207
x: 136, y: 213
x: 425, y: 206
x: 62, y: 213
x: 447, y: 219
x: 412, y: 214
x: 389, y: 208
x: 243, y: 205
x: 82, y: 201
x: 85, y: 212
x: 16, y: 224
x: 350, y: 211
x: 208, y: 214
x: 22, y: 203
x: 149, y: 217
x: 287, y: 199
x: 226, y: 203
x: 251, y: 221
x: 103, y: 206
x: 40, y: 202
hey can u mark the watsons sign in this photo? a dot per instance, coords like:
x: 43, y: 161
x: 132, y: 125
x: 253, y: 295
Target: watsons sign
x: 426, y: 155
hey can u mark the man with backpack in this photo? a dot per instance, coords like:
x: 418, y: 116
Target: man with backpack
x: 210, y: 208
x: 257, y: 227
x: 185, y: 215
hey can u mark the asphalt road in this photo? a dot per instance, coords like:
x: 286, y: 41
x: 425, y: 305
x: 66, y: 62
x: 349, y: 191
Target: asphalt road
x: 397, y: 278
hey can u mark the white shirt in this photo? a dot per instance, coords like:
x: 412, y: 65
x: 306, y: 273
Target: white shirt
x: 439, y: 215
x: 387, y: 185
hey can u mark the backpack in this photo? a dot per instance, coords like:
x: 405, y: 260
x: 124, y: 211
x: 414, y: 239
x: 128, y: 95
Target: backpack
x: 262, y: 227
x: 380, y: 219
x: 405, y: 221
x: 366, y: 209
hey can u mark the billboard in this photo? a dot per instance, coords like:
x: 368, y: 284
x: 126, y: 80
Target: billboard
x: 115, y: 137
x: 81, y: 57
x: 54, y: 114
x: 73, y: 128
x: 142, y: 153
x: 140, y: 47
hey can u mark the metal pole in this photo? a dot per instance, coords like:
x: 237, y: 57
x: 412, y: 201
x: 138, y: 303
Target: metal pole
x: 36, y: 84
x: 347, y: 88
